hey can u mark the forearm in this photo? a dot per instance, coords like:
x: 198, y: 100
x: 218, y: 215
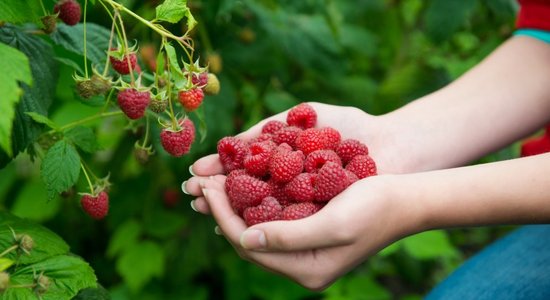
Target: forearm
x: 504, y: 98
x: 508, y: 192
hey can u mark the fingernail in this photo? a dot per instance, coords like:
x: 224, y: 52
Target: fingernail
x: 191, y: 170
x: 217, y: 230
x: 202, y: 183
x: 183, y: 188
x: 204, y: 193
x: 253, y: 239
x: 192, y: 204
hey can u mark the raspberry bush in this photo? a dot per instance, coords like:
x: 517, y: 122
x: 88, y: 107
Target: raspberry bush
x: 106, y: 103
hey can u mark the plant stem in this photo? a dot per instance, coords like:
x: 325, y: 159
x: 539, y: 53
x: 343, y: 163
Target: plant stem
x: 146, y: 131
x: 10, y: 249
x: 43, y: 7
x: 107, y: 60
x: 88, y: 179
x: 85, y: 41
x: 88, y: 119
x: 126, y: 55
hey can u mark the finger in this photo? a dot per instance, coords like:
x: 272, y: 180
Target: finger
x: 230, y: 223
x: 308, y: 233
x: 200, y: 205
x: 192, y: 186
x: 207, y: 166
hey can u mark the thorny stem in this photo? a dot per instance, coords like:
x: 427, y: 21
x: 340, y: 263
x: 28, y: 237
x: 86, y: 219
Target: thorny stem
x: 88, y: 179
x: 85, y: 46
x: 113, y: 17
x: 107, y: 60
x: 125, y: 47
x: 10, y: 249
x: 146, y: 131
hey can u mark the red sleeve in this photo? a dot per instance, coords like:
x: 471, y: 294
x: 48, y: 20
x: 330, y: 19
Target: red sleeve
x: 534, y: 14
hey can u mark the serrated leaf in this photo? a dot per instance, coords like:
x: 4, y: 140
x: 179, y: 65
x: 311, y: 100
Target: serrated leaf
x: 139, y: 264
x: 37, y: 98
x: 15, y: 67
x: 125, y: 236
x: 19, y: 12
x: 41, y: 119
x: 84, y: 138
x: 60, y: 168
x: 46, y: 242
x: 68, y: 275
x: 173, y: 11
x: 72, y: 39
x: 175, y: 69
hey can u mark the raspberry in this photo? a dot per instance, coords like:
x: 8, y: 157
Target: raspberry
x: 133, y: 102
x: 317, y: 159
x: 246, y: 191
x: 158, y: 106
x: 121, y: 65
x: 191, y: 99
x: 261, y: 138
x: 331, y: 180
x: 232, y: 175
x: 96, y: 207
x: 213, y: 85
x: 535, y: 146
x: 257, y: 162
x: 287, y: 135
x: 310, y: 140
x: 352, y: 178
x: 332, y: 137
x: 199, y: 79
x: 302, y: 116
x: 348, y: 149
x: 232, y: 152
x: 69, y: 11
x: 299, y: 211
x: 362, y: 166
x: 301, y: 188
x: 178, y: 143
x: 170, y: 197
x: 285, y: 165
x: 278, y: 191
x: 273, y: 126
x: 268, y: 210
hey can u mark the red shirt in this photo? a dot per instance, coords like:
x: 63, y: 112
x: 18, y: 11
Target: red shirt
x: 534, y: 14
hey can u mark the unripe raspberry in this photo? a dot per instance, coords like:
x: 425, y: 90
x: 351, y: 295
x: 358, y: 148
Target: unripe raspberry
x: 69, y: 11
x: 213, y: 85
x: 4, y: 281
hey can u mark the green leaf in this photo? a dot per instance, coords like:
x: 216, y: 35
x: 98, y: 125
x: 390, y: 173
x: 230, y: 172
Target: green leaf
x: 41, y: 119
x: 139, y: 264
x: 15, y: 67
x: 37, y: 98
x: 203, y: 126
x: 60, y: 168
x: 84, y: 138
x: 46, y: 242
x: 5, y: 263
x: 175, y: 69
x: 68, y: 275
x: 72, y: 39
x: 99, y: 293
x: 173, y: 11
x: 444, y: 17
x: 126, y: 236
x: 429, y: 245
x: 19, y: 12
x: 31, y: 203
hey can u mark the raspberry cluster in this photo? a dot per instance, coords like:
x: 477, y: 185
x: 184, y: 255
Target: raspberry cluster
x: 292, y: 169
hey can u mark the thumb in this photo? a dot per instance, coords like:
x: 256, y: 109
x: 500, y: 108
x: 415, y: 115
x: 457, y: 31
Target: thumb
x: 315, y: 231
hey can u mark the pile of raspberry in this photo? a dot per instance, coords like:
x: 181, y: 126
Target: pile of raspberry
x: 291, y: 170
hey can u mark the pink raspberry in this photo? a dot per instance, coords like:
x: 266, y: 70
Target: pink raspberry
x: 257, y: 161
x: 349, y: 148
x: 302, y: 116
x: 246, y: 191
x: 310, y: 140
x: 352, y: 178
x: 362, y: 166
x: 301, y: 188
x: 179, y: 142
x: 317, y: 159
x: 273, y: 126
x: 332, y: 137
x: 268, y: 210
x: 279, y: 192
x: 300, y: 210
x: 287, y: 135
x: 331, y: 180
x: 232, y: 152
x: 231, y: 176
x: 261, y: 138
x: 285, y: 165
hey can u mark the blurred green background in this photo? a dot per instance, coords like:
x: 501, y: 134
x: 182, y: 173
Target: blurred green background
x: 269, y: 55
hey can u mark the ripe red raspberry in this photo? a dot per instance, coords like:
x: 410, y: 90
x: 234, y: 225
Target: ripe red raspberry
x: 246, y: 191
x: 352, y: 178
x: 310, y: 140
x: 232, y: 152
x: 133, y: 102
x: 231, y: 176
x: 535, y: 146
x: 332, y: 137
x: 96, y: 207
x: 178, y: 143
x: 273, y: 126
x: 349, y: 148
x: 362, y: 166
x: 69, y: 11
x: 191, y: 99
x: 200, y: 79
x: 121, y: 65
x: 331, y: 180
x: 301, y: 188
x: 302, y: 116
x: 278, y: 192
x: 286, y: 165
x: 300, y: 210
x: 257, y: 161
x: 170, y: 197
x: 268, y: 210
x: 287, y: 135
x: 261, y: 138
x: 317, y: 159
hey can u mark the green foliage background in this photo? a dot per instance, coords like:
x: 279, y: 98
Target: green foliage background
x: 373, y: 54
